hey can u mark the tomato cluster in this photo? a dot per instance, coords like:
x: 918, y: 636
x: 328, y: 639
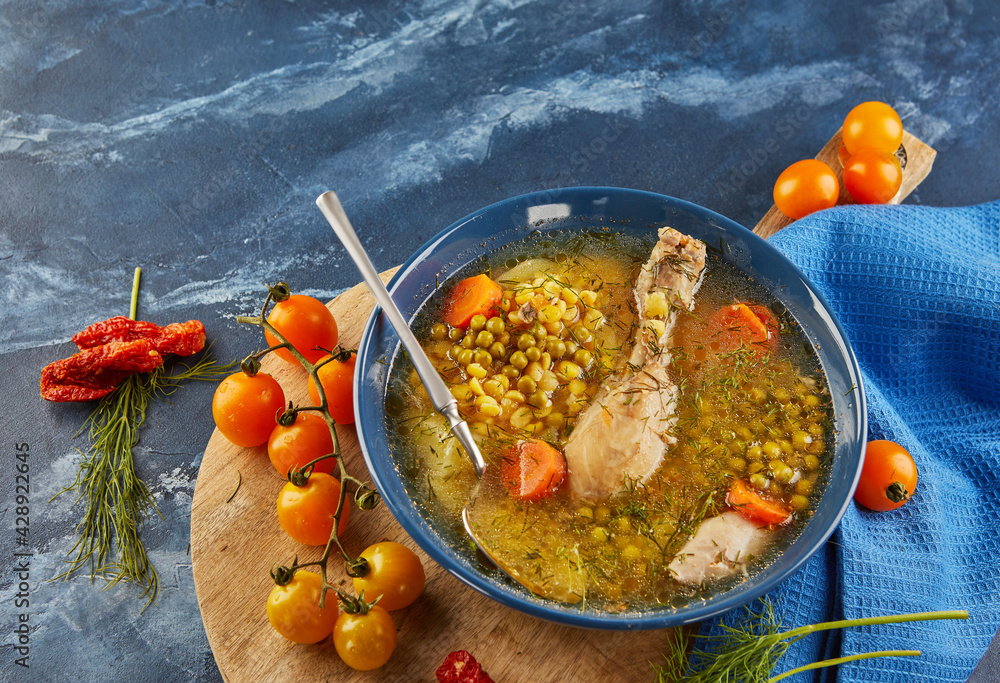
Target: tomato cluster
x: 249, y: 410
x: 364, y: 633
x: 871, y: 136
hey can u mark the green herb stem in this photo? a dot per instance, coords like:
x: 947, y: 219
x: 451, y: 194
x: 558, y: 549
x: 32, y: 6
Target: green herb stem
x: 749, y: 651
x: 843, y: 660
x: 802, y: 631
x: 134, y: 305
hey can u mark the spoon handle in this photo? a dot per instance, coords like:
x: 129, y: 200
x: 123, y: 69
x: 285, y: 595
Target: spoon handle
x: 441, y: 397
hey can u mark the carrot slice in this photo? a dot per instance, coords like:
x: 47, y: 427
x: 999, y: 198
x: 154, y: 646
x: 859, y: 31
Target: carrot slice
x: 532, y: 470
x: 477, y: 295
x: 740, y: 324
x: 765, y: 316
x: 751, y: 505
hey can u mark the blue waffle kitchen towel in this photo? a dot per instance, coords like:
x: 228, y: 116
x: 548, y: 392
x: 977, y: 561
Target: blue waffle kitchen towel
x: 917, y: 290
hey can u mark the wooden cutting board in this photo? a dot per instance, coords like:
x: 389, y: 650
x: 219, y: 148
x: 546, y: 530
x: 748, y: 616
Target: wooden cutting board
x: 236, y: 539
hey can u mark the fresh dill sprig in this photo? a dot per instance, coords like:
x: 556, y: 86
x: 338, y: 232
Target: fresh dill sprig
x: 117, y: 500
x: 749, y: 651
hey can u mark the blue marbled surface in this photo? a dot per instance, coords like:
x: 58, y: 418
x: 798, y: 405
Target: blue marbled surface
x: 191, y: 138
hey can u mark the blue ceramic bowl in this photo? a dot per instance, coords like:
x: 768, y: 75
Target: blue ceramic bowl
x: 638, y: 213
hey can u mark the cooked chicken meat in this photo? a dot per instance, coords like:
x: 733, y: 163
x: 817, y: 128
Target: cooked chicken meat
x: 623, y: 434
x: 722, y: 546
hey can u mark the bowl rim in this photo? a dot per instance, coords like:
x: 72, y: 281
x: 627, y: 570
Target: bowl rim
x: 416, y: 526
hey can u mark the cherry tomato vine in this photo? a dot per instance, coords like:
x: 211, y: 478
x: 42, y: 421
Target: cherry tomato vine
x: 364, y: 496
x: 314, y: 506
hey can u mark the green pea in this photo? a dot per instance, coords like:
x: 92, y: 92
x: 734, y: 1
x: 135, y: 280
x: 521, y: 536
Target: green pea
x: 533, y: 353
x: 526, y: 386
x: 581, y: 334
x: 495, y: 326
x: 465, y: 356
x: 540, y: 332
x: 582, y: 357
x: 568, y: 370
x: 510, y: 372
x: 483, y: 357
x: 525, y: 341
x: 484, y: 339
x: 439, y: 331
x: 456, y: 333
x: 497, y: 350
x: 539, y: 399
x: 758, y: 481
x: 519, y: 360
x: 468, y: 341
x: 556, y: 347
x: 478, y: 322
x: 782, y: 472
x: 799, y: 502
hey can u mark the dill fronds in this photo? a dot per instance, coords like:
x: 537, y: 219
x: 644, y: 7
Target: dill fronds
x: 749, y: 651
x: 117, y: 501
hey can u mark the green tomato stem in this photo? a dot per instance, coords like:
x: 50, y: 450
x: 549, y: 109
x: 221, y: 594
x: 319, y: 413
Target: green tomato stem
x: 277, y: 294
x: 843, y: 660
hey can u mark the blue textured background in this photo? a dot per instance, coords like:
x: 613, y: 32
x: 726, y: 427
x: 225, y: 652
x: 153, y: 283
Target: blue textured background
x: 191, y: 138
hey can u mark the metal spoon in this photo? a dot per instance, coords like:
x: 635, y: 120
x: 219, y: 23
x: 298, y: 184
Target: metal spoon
x: 441, y: 397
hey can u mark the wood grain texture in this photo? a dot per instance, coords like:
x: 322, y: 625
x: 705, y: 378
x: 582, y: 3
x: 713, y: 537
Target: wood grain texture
x: 235, y: 539
x: 919, y: 160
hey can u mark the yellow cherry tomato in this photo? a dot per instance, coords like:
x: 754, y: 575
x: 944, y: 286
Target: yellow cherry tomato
x: 294, y: 611
x: 365, y: 641
x: 873, y: 125
x: 806, y: 186
x: 395, y: 575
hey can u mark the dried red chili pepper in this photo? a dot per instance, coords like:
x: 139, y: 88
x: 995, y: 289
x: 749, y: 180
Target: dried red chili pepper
x: 182, y: 339
x: 113, y: 349
x: 95, y: 372
x: 461, y: 667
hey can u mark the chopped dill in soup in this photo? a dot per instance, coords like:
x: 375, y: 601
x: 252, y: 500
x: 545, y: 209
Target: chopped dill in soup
x: 657, y: 427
